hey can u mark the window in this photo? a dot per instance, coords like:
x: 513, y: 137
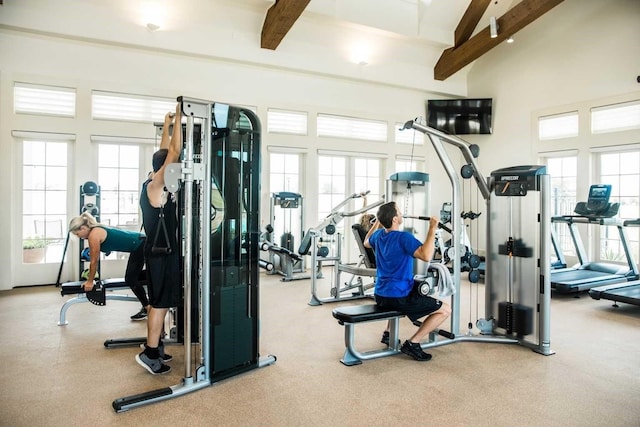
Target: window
x: 558, y: 126
x: 284, y: 172
x: 332, y: 183
x: 618, y: 117
x: 44, y: 201
x: 620, y: 169
x: 347, y: 127
x: 119, y: 180
x: 366, y: 176
x: 47, y: 100
x: 292, y: 122
x: 408, y: 136
x: 563, y: 172
x: 408, y: 164
x: 116, y: 106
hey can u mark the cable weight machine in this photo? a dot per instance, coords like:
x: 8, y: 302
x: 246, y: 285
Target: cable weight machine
x: 217, y: 183
x: 526, y: 201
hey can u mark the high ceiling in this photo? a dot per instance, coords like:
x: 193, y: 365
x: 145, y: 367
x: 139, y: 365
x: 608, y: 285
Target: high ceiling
x: 427, y: 20
x: 418, y: 44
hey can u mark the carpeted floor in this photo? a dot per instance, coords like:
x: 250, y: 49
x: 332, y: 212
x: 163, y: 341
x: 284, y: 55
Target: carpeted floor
x: 54, y: 375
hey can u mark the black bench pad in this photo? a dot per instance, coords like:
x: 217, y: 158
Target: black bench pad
x: 363, y: 313
x: 76, y: 287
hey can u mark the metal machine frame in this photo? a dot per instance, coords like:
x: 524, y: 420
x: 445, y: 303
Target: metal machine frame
x: 216, y: 274
x: 490, y: 332
x: 334, y: 257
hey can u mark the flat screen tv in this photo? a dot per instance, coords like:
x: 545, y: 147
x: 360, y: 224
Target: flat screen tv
x: 460, y: 116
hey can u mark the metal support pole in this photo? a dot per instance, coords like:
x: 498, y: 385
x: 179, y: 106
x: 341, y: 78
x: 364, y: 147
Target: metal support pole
x: 187, y: 241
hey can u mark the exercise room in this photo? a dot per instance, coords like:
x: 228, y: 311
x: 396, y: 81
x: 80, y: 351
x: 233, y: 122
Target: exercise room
x: 320, y: 212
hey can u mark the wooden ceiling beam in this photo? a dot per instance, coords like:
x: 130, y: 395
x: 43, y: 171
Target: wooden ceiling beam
x: 470, y: 20
x: 279, y: 20
x: 455, y: 58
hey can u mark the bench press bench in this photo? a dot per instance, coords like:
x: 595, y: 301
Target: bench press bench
x: 351, y: 315
x: 97, y: 296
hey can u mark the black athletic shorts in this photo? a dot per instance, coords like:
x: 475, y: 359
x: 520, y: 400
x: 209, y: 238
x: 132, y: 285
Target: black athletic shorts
x: 414, y: 305
x: 165, y: 281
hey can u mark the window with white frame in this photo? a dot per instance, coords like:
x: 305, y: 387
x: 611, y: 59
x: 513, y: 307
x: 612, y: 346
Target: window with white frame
x: 408, y: 136
x: 45, y: 100
x: 119, y: 180
x: 558, y: 126
x: 408, y: 164
x: 563, y: 172
x: 620, y: 169
x: 291, y: 122
x: 351, y: 128
x: 44, y: 201
x: 332, y: 183
x: 617, y: 117
x: 366, y: 178
x: 284, y: 172
x: 127, y: 107
x: 284, y: 176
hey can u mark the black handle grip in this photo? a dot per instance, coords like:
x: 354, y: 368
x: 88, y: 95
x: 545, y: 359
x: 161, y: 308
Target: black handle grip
x: 446, y: 334
x: 156, y: 250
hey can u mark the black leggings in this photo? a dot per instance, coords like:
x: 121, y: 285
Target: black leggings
x: 133, y: 273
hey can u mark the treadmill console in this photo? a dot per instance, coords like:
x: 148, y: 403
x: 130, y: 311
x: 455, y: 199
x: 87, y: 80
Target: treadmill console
x: 598, y: 203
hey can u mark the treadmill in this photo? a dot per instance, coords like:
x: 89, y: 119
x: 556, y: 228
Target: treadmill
x: 586, y: 275
x: 628, y: 292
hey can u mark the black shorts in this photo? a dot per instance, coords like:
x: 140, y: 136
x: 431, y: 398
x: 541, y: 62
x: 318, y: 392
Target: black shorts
x: 414, y: 306
x: 165, y: 281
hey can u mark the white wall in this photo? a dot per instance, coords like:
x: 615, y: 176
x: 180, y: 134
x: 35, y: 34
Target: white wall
x: 582, y: 53
x: 583, y: 50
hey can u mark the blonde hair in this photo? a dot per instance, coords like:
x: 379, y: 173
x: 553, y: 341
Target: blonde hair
x: 84, y: 219
x: 365, y: 221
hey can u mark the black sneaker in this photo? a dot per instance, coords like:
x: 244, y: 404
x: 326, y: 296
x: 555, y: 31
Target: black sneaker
x: 164, y: 356
x: 414, y: 350
x: 141, y: 315
x: 385, y: 338
x: 154, y: 366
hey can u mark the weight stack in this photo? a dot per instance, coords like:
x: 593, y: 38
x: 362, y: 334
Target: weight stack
x: 516, y: 318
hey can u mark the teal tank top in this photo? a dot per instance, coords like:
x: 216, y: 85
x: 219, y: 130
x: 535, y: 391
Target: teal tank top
x: 121, y: 240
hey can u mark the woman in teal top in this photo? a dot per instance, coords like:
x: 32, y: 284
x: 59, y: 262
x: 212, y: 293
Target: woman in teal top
x: 107, y: 239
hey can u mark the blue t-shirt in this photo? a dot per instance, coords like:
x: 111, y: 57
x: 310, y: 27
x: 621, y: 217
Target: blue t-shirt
x: 394, y: 262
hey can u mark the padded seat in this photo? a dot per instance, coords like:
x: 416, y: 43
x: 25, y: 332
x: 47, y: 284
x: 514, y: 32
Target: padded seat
x: 70, y: 288
x: 363, y: 313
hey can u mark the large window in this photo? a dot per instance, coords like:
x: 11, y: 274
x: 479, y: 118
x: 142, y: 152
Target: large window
x: 44, y: 201
x: 332, y: 183
x: 563, y: 172
x: 620, y: 169
x: 409, y: 164
x: 366, y: 177
x: 284, y: 172
x: 119, y: 180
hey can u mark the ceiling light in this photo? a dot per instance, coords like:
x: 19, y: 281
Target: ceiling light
x: 493, y: 27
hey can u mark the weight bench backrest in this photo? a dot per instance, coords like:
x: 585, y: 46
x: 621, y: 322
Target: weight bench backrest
x: 367, y: 254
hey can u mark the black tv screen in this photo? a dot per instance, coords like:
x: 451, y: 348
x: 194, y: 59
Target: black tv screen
x: 460, y: 116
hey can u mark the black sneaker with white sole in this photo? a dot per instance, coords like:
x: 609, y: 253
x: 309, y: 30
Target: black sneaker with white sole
x: 414, y: 350
x: 164, y: 356
x: 141, y: 315
x: 154, y: 366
